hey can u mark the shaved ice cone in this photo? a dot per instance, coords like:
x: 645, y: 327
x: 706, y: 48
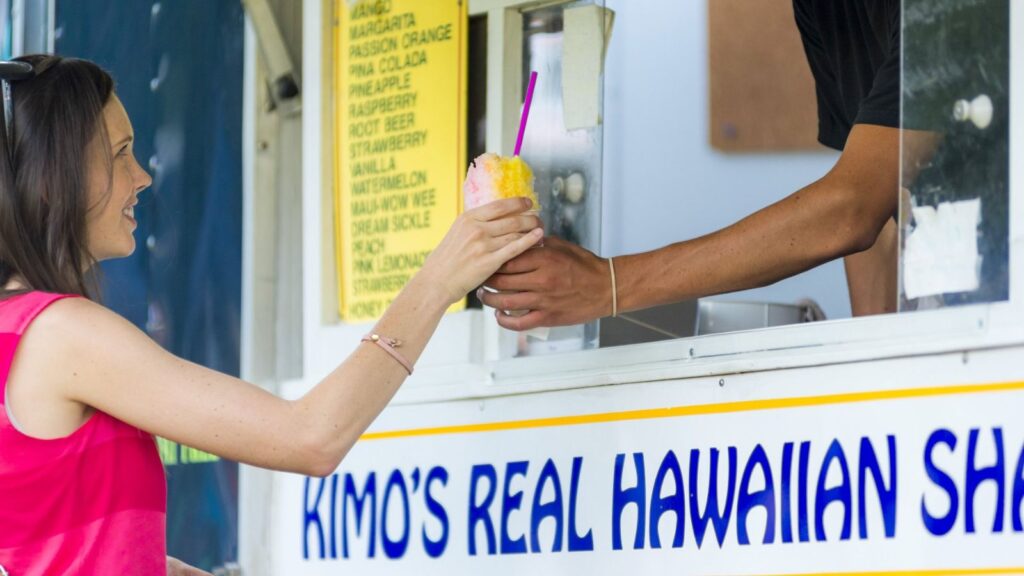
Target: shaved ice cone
x: 492, y: 177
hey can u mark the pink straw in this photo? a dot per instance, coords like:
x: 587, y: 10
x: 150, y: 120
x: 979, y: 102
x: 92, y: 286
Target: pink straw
x: 526, y: 112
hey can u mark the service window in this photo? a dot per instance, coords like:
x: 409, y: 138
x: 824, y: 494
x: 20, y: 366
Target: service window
x: 648, y: 163
x: 624, y: 161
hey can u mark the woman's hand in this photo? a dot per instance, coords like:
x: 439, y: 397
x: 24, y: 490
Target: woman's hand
x: 479, y: 242
x: 176, y: 567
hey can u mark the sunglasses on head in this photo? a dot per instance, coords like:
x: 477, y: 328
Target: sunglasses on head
x: 11, y: 71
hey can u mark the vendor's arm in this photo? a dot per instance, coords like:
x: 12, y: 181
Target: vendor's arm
x: 838, y: 215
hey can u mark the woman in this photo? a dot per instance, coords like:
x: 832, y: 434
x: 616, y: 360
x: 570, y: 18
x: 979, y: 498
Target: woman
x: 83, y: 487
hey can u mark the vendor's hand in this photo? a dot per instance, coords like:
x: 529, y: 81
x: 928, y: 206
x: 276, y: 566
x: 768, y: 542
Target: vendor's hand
x: 479, y: 242
x: 176, y: 567
x: 560, y: 283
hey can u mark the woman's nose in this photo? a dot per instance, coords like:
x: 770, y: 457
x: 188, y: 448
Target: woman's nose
x: 142, y: 179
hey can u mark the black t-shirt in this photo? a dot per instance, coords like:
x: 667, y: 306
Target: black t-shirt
x: 853, y: 47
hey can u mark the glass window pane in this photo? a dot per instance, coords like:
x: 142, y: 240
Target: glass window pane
x: 955, y: 172
x: 563, y: 140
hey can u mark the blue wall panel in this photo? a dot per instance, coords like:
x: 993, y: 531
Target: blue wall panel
x: 178, y: 68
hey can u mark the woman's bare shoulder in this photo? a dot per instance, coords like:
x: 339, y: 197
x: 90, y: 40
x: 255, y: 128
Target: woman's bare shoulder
x: 55, y: 354
x: 79, y: 327
x: 78, y: 317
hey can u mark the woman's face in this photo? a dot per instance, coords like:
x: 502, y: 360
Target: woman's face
x: 115, y: 180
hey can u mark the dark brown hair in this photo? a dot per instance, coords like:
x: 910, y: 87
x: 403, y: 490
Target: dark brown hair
x: 43, y: 183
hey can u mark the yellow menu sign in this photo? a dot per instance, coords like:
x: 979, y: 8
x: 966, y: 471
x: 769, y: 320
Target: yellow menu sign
x: 400, y: 139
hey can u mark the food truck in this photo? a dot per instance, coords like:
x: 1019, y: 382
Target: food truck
x: 727, y: 436
x: 765, y: 432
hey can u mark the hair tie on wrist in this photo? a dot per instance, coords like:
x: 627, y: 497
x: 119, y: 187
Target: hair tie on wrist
x: 615, y: 296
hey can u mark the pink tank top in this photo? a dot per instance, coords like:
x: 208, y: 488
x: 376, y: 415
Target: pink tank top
x: 93, y: 502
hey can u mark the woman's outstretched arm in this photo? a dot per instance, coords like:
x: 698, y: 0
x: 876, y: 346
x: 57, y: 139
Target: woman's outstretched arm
x: 86, y: 354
